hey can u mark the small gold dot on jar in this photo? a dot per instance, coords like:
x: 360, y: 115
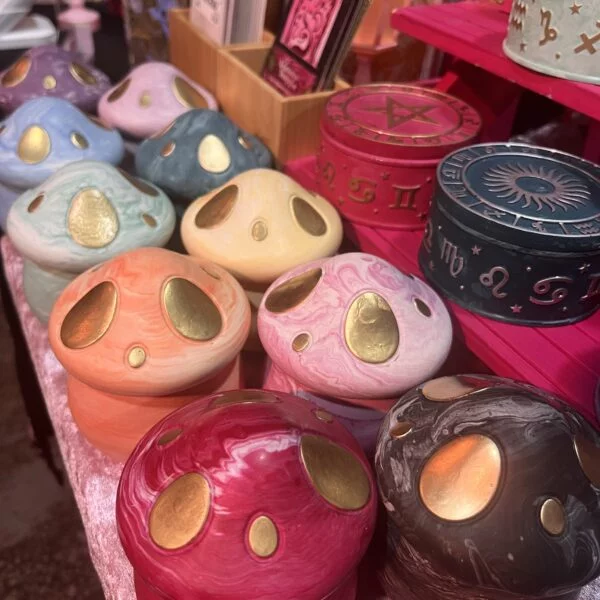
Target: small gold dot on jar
x: 49, y: 82
x: 323, y: 415
x: 301, y: 342
x: 167, y: 149
x: 136, y: 357
x: 149, y: 220
x: 145, y: 100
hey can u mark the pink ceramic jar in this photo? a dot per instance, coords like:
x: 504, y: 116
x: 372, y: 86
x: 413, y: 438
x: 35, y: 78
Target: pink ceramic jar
x: 138, y: 331
x: 246, y: 495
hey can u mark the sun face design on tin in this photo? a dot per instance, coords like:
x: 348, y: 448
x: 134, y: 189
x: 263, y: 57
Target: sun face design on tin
x: 536, y: 186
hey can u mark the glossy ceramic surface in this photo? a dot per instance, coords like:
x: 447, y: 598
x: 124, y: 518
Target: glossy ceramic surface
x: 353, y: 326
x: 150, y: 97
x: 45, y: 134
x: 492, y: 491
x: 51, y: 71
x: 158, y: 321
x: 199, y: 152
x: 243, y: 495
x: 8, y: 195
x: 261, y: 224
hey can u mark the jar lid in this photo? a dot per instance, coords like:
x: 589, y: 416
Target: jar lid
x: 523, y: 195
x: 400, y: 121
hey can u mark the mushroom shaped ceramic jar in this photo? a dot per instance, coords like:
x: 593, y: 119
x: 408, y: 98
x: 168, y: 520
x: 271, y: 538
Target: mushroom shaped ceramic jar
x: 246, y: 495
x: 492, y: 491
x: 143, y: 334
x: 43, y: 135
x: 84, y: 214
x: 353, y: 327
x: 51, y: 71
x: 260, y: 225
x: 200, y: 151
x: 151, y: 97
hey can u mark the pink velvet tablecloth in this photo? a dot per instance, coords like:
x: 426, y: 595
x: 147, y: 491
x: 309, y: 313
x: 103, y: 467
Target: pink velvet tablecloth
x: 94, y: 478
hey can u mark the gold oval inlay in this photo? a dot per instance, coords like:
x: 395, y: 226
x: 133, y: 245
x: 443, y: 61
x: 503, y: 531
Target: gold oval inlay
x: 168, y: 149
x: 244, y: 397
x: 588, y: 455
x: 336, y: 474
x: 323, y: 415
x: 34, y: 145
x: 90, y: 318
x: 17, y: 73
x: 461, y: 478
x: 92, y: 221
x: 180, y: 512
x: 263, y: 538
x: 371, y: 330
x: 82, y: 74
x: 293, y: 292
x: 140, y: 184
x: 149, y: 220
x: 145, y: 100
x: 191, y: 311
x: 452, y: 387
x: 49, y: 82
x: 553, y: 517
x: 308, y: 218
x: 187, y: 95
x: 169, y: 436
x: 422, y: 307
x: 400, y: 429
x: 119, y: 90
x: 218, y: 208
x: 301, y: 342
x: 213, y: 155
x: 244, y: 143
x: 79, y: 141
x: 35, y: 203
x: 136, y: 357
x: 259, y: 231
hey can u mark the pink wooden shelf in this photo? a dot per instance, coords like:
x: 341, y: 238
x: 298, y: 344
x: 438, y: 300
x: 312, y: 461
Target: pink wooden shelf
x: 563, y: 360
x: 474, y: 31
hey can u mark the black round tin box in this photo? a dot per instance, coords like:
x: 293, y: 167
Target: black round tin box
x: 514, y: 234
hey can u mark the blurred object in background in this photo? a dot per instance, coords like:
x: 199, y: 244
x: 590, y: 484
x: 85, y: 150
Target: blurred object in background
x: 20, y: 30
x: 79, y: 24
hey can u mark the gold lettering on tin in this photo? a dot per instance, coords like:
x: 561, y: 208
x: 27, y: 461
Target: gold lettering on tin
x: 588, y: 43
x: 518, y: 14
x: 405, y: 197
x: 543, y: 287
x: 365, y: 188
x: 593, y: 287
x: 550, y: 33
x: 487, y: 279
x: 328, y: 174
x: 450, y: 254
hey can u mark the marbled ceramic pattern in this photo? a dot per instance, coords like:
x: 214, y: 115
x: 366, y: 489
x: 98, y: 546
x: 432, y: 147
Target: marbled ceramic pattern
x: 149, y: 102
x: 326, y: 365
x: 266, y: 197
x: 502, y: 551
x: 173, y: 362
x: 60, y: 119
x: 43, y: 236
x: 50, y: 60
x: 250, y: 455
x: 180, y: 173
x: 7, y: 197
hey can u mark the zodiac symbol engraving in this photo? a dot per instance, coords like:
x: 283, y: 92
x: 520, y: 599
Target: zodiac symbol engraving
x: 587, y: 228
x: 543, y: 287
x: 487, y: 279
x: 368, y: 192
x: 550, y: 34
x: 593, y: 288
x: 450, y: 254
x: 588, y: 43
x: 518, y: 15
x: 328, y: 174
x: 405, y: 197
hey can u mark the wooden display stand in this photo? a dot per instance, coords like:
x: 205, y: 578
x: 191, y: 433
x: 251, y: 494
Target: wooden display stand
x: 289, y: 126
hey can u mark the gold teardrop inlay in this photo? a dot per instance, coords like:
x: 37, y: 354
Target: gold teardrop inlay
x: 79, y: 141
x: 244, y: 143
x: 308, y: 218
x: 244, y: 397
x: 371, y: 330
x: 119, y: 90
x: 453, y: 387
x: 92, y: 221
x: 17, y: 73
x: 422, y: 307
x: 145, y: 100
x: 323, y: 415
x: 82, y: 74
x: 168, y: 149
x: 218, y: 208
x: 35, y: 203
x: 260, y: 231
x: 588, y: 455
x: 169, y: 436
x: 180, y: 512
x: 213, y: 155
x: 461, y: 478
x: 263, y: 537
x: 191, y: 311
x: 149, y: 220
x: 400, y: 429
x: 553, y: 517
x: 335, y: 473
x: 187, y: 95
x: 90, y: 318
x: 293, y: 292
x: 136, y: 357
x: 140, y: 184
x: 34, y: 145
x: 301, y: 342
x: 49, y: 82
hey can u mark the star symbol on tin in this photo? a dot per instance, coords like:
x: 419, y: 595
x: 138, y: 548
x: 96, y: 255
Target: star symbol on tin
x: 522, y: 46
x: 575, y: 8
x: 398, y: 113
x: 516, y: 308
x: 584, y: 267
x: 385, y: 176
x: 475, y: 250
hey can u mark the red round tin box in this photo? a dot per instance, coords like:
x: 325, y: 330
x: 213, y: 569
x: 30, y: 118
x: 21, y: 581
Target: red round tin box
x: 380, y: 146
